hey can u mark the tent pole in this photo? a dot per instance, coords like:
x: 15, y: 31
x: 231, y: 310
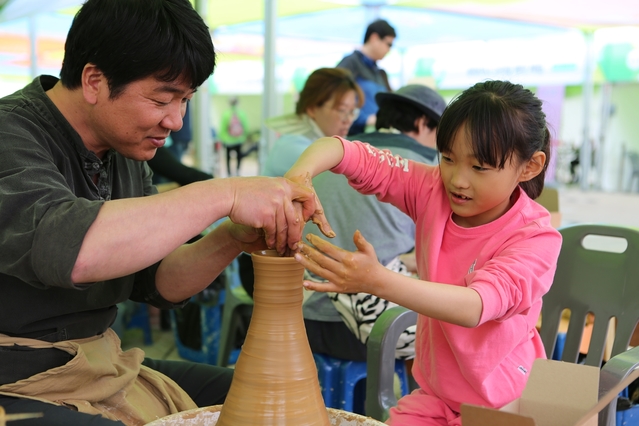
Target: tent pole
x: 201, y: 104
x: 600, y: 155
x: 269, y: 82
x: 33, y: 46
x: 585, y: 157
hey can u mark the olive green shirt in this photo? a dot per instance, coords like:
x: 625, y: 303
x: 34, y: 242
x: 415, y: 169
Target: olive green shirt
x: 48, y: 201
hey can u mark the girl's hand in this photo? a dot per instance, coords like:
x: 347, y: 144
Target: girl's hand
x: 347, y: 272
x: 316, y: 216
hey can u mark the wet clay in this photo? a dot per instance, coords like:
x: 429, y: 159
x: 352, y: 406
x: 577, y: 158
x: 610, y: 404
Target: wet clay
x: 275, y: 380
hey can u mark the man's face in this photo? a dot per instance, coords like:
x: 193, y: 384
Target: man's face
x: 381, y: 46
x: 139, y: 120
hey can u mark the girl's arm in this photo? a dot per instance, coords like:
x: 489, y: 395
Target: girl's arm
x: 320, y: 156
x: 360, y: 272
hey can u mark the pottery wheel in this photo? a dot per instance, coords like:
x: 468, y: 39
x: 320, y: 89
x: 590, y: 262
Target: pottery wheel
x: 207, y: 416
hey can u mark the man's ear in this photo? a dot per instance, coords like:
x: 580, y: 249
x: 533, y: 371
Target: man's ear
x: 533, y: 167
x: 421, y: 121
x: 93, y: 82
x: 374, y: 37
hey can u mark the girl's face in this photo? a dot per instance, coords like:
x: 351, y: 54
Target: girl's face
x: 477, y: 193
x: 335, y: 116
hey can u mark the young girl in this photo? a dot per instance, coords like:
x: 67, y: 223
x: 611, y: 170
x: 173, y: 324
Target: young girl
x: 486, y: 252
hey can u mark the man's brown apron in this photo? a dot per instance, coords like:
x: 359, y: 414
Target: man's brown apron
x: 101, y: 379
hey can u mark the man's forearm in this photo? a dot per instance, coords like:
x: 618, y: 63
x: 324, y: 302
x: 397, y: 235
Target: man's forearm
x: 131, y: 234
x: 192, y: 267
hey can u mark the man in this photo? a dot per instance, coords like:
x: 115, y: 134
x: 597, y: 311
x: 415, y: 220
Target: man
x: 378, y: 41
x: 83, y: 229
x: 338, y: 325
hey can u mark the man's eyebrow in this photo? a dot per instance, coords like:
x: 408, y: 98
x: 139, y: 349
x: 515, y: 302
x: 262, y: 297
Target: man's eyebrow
x: 167, y: 88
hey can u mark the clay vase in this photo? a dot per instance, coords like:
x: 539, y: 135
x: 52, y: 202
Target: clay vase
x: 275, y: 380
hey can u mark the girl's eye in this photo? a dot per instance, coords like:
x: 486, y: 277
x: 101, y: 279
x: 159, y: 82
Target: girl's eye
x: 446, y: 159
x: 479, y: 168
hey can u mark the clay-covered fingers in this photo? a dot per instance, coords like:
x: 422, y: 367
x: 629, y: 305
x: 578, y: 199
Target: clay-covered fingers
x: 350, y: 272
x: 304, y: 193
x: 249, y: 239
x: 317, y: 262
x: 363, y: 245
x: 321, y: 286
x: 289, y: 228
x: 323, y: 258
x: 314, y: 213
x: 320, y: 220
x: 326, y: 247
x: 284, y: 229
x: 269, y: 204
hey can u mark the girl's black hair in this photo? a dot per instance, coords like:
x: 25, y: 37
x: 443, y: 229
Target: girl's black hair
x: 129, y: 40
x: 501, y: 119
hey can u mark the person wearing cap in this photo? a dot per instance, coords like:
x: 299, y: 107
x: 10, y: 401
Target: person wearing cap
x: 378, y: 40
x: 406, y: 124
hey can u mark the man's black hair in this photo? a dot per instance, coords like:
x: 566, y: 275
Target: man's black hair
x: 129, y: 40
x: 401, y: 116
x: 381, y: 28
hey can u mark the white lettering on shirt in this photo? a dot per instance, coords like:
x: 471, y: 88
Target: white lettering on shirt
x: 387, y: 156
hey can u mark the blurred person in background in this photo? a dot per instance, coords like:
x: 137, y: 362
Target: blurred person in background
x: 233, y: 133
x: 378, y: 40
x: 328, y: 103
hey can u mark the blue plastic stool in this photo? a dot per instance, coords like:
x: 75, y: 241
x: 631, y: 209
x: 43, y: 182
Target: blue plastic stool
x: 338, y: 379
x: 559, y: 346
x: 328, y: 371
x: 210, y: 324
x: 137, y: 318
x: 629, y: 417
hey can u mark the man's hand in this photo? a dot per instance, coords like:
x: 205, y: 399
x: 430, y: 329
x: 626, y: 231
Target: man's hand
x: 317, y: 216
x: 248, y: 239
x: 269, y: 204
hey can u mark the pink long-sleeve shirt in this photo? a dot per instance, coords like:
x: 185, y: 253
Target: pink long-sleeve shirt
x: 510, y: 262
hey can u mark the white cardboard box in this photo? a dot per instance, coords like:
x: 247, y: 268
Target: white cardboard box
x: 557, y: 394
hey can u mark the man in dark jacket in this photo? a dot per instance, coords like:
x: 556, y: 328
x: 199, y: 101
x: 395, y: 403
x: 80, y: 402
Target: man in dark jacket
x: 378, y: 41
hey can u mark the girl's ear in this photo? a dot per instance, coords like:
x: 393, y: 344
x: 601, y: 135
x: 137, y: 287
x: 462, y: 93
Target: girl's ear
x: 533, y: 167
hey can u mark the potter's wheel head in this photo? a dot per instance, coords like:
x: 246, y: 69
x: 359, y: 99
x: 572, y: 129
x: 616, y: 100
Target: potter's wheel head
x: 207, y: 416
